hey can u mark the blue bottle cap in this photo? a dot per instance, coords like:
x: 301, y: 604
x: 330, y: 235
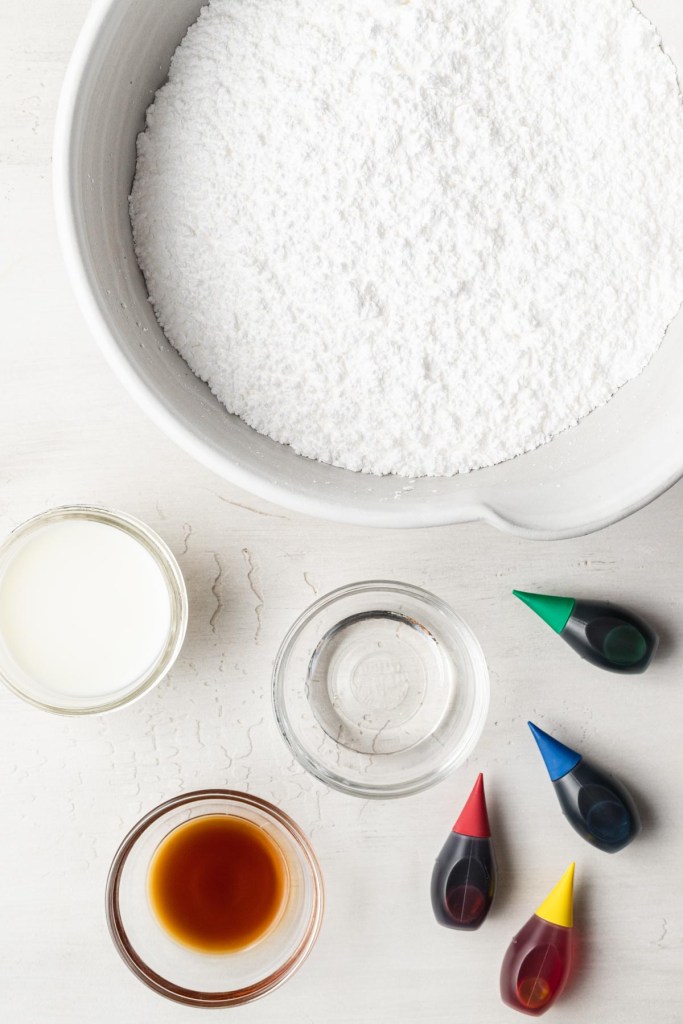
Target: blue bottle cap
x: 558, y: 759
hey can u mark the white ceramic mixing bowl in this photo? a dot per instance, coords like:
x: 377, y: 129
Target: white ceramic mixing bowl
x: 615, y: 461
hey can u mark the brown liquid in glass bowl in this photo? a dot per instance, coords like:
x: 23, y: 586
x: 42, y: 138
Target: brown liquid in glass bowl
x: 218, y: 883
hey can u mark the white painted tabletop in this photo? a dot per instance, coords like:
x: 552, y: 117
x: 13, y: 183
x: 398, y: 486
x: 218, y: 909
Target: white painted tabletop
x: 71, y: 789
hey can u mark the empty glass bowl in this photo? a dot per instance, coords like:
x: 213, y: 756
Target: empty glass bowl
x: 205, y: 979
x: 380, y: 689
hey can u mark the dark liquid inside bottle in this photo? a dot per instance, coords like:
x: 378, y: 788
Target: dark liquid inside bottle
x: 463, y: 882
x: 466, y: 891
x: 606, y: 817
x: 598, y: 806
x: 610, y: 637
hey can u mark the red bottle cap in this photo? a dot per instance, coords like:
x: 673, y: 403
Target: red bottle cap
x: 474, y: 819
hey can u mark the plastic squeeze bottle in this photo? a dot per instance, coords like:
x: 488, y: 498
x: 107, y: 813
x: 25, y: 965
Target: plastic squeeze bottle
x: 538, y: 961
x: 604, y: 634
x: 595, y: 804
x: 464, y: 876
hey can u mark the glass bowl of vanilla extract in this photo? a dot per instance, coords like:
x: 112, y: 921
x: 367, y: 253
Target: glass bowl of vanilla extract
x: 214, y: 898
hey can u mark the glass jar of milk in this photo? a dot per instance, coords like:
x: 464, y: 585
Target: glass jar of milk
x: 93, y: 610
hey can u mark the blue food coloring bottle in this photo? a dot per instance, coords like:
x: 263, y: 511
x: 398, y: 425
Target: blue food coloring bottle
x: 598, y: 807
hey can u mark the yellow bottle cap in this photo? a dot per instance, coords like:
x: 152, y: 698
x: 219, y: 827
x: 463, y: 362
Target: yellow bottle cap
x: 558, y: 906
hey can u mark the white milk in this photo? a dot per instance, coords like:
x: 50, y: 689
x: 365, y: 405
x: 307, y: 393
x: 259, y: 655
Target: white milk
x: 85, y: 610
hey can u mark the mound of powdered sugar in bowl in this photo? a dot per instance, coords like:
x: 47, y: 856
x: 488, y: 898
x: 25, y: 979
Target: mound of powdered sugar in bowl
x: 414, y: 237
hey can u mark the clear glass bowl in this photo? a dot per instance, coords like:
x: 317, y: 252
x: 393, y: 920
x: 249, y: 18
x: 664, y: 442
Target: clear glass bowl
x: 380, y: 689
x: 202, y: 979
x: 39, y: 695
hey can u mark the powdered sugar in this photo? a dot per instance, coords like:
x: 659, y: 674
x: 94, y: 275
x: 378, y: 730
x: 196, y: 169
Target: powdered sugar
x: 419, y: 237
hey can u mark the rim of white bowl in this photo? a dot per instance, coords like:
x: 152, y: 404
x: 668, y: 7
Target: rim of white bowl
x: 219, y: 462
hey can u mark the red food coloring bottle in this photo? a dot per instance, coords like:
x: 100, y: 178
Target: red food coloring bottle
x: 464, y: 876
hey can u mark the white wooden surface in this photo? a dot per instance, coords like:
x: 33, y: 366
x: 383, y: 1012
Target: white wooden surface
x: 71, y: 789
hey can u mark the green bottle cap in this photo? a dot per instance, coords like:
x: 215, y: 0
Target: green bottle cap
x: 553, y: 610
